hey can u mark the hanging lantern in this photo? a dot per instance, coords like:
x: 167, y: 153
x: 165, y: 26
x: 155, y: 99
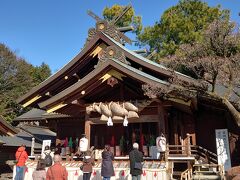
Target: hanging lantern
x: 125, y: 121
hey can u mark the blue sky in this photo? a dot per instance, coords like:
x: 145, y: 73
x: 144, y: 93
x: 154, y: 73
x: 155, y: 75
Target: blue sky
x: 54, y: 31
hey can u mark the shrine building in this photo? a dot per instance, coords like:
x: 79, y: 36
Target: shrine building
x: 101, y: 93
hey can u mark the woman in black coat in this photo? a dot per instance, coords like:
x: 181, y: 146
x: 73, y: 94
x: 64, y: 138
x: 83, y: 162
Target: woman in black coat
x: 107, y: 165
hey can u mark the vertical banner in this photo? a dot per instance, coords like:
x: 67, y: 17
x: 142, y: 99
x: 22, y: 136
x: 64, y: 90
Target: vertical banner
x: 45, y: 143
x: 222, y: 145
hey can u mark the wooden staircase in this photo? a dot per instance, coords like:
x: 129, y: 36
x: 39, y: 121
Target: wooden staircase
x: 181, y: 160
x: 203, y: 172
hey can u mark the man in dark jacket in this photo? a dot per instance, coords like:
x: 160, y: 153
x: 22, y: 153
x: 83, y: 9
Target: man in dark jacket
x: 136, y: 159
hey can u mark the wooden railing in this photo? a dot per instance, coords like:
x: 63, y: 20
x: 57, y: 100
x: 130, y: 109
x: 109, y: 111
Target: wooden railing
x: 202, y: 171
x: 188, y: 154
x: 191, y: 150
x: 186, y: 175
x: 204, y: 153
x: 208, y: 170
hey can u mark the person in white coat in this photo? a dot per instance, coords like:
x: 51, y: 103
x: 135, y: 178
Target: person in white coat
x: 83, y: 145
x: 161, y: 146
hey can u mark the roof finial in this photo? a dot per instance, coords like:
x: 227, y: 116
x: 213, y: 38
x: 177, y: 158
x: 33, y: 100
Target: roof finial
x: 110, y: 28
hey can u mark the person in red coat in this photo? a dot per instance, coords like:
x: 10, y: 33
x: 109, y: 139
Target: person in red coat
x: 21, y: 158
x: 57, y: 171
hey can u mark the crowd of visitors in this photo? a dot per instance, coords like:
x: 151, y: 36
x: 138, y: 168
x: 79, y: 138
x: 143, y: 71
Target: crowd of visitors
x: 49, y: 167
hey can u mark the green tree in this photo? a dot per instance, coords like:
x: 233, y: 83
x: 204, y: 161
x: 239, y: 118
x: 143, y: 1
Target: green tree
x: 40, y: 73
x: 180, y: 24
x: 128, y: 19
x: 16, y: 78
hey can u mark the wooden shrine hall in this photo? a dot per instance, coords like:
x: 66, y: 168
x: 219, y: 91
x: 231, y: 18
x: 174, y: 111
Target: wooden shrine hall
x: 102, y: 92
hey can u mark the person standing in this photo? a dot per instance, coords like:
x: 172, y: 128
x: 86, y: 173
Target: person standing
x: 87, y: 166
x: 107, y: 165
x: 47, y: 156
x: 57, y: 171
x: 136, y: 159
x: 40, y: 172
x: 161, y: 146
x: 83, y: 145
x: 21, y: 158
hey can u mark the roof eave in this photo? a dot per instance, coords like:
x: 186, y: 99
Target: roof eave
x: 110, y: 63
x: 35, y: 90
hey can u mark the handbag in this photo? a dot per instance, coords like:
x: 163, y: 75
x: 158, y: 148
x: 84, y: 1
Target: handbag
x: 16, y: 161
x: 138, y: 165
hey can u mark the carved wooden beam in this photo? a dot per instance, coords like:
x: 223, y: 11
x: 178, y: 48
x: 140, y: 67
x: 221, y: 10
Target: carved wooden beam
x: 126, y: 29
x: 93, y: 15
x: 140, y: 51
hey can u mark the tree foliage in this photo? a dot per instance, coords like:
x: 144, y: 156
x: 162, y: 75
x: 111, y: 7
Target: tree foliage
x: 180, y: 24
x: 215, y: 61
x: 128, y: 19
x: 16, y: 78
x: 216, y: 58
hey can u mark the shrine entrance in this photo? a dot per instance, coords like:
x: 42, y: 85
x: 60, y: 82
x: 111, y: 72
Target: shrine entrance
x: 124, y: 136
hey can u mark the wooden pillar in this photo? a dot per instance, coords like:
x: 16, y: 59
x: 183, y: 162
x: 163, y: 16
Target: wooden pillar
x: 88, y: 129
x: 175, y: 131
x: 161, y: 122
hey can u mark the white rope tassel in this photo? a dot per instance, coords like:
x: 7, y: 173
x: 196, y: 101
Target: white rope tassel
x: 125, y: 121
x: 109, y: 122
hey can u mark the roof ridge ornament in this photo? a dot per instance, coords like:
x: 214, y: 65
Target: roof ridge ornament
x: 109, y: 28
x: 111, y: 52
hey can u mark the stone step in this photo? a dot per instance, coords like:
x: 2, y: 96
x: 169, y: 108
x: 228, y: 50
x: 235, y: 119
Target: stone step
x: 205, y: 177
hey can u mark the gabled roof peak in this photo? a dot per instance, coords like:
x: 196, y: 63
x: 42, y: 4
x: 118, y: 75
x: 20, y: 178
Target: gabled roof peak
x: 110, y: 28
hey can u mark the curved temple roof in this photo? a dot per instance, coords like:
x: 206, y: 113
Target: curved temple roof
x: 111, y: 63
x: 37, y: 92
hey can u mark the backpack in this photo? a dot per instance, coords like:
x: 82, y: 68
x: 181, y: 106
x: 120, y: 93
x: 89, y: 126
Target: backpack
x: 48, y: 160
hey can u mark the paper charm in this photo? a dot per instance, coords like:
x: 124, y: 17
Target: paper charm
x: 125, y: 121
x: 109, y: 122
